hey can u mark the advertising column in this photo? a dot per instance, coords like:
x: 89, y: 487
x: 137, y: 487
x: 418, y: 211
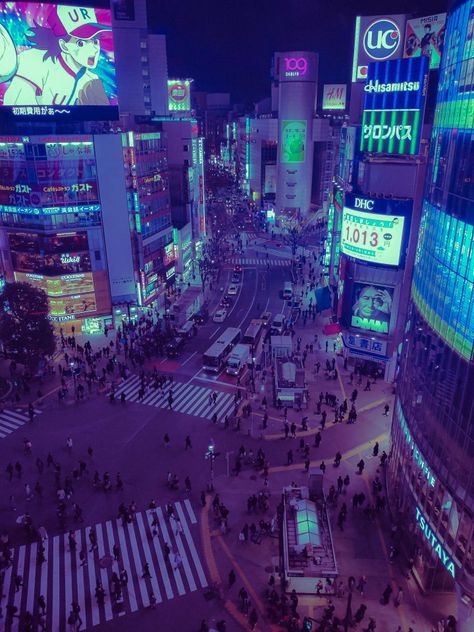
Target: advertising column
x: 297, y: 73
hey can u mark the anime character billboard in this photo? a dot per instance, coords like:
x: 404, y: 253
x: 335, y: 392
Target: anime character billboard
x: 56, y: 60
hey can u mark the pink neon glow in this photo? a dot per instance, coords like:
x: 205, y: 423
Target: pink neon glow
x: 296, y: 64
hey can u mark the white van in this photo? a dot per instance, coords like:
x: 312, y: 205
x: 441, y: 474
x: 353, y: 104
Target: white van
x: 186, y: 329
x: 288, y: 290
x: 278, y: 324
x: 238, y: 358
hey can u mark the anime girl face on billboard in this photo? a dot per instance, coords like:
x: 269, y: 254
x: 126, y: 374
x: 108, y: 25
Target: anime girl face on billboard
x: 55, y: 55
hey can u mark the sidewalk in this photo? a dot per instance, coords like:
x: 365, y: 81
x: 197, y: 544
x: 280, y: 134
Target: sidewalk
x: 363, y: 547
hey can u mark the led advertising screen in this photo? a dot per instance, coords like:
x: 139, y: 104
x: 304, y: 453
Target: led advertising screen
x: 63, y: 253
x: 394, y: 104
x: 377, y: 38
x: 293, y: 141
x: 425, y: 36
x: 373, y: 230
x: 60, y: 285
x: 57, y: 62
x: 334, y: 96
x: 179, y: 95
x: 371, y: 307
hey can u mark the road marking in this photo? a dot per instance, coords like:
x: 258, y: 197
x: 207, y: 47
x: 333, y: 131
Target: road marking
x: 191, y: 356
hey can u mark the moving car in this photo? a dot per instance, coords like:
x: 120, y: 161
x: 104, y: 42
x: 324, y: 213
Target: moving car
x: 236, y: 277
x: 226, y: 301
x: 278, y: 324
x: 232, y: 290
x: 220, y: 315
x: 237, y: 268
x: 186, y: 330
x: 201, y: 316
x: 175, y: 346
x: 266, y: 318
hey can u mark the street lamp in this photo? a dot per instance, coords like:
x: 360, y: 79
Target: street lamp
x: 348, y: 618
x: 211, y: 454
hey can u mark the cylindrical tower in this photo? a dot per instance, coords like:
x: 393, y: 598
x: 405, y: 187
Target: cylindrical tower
x: 297, y: 73
x: 431, y: 473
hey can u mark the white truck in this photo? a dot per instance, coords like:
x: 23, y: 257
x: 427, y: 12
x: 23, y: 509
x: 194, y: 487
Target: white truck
x: 238, y: 359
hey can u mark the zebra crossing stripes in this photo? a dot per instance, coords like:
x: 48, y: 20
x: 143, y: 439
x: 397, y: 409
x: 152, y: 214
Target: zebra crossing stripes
x: 261, y: 261
x: 11, y: 420
x: 187, y: 398
x: 61, y: 579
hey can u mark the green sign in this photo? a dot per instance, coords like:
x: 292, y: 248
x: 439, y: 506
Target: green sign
x: 293, y: 141
x: 391, y: 131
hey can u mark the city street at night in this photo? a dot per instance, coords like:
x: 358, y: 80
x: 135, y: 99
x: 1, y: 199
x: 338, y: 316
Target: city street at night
x: 236, y: 316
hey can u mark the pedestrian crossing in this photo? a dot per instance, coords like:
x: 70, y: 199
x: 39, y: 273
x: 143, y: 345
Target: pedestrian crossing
x: 260, y: 261
x: 11, y: 420
x: 62, y: 579
x: 187, y: 398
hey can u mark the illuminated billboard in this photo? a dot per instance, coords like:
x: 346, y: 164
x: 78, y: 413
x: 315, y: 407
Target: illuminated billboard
x: 58, y: 62
x: 293, y: 141
x: 373, y: 230
x: 377, y: 38
x: 62, y: 253
x: 296, y: 66
x: 72, y: 305
x: 371, y: 307
x: 334, y: 96
x: 179, y: 95
x: 394, y: 104
x: 58, y: 286
x: 425, y: 36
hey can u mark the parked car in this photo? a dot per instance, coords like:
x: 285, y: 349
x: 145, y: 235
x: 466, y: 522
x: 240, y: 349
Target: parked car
x: 220, y: 315
x: 232, y: 289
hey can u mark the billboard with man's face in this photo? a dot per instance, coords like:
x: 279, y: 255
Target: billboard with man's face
x: 425, y: 36
x: 56, y: 61
x: 371, y: 307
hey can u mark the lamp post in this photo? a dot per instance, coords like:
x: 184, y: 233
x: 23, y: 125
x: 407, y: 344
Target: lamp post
x: 72, y: 364
x: 348, y: 618
x: 211, y: 454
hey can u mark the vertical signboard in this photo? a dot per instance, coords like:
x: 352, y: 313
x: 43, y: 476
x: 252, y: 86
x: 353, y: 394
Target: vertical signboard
x: 377, y: 38
x: 293, y: 141
x: 425, y: 36
x: 394, y: 103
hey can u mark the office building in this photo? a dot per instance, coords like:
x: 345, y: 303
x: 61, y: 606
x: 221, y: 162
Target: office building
x: 431, y: 474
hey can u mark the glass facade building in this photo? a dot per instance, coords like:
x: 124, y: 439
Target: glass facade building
x: 431, y: 472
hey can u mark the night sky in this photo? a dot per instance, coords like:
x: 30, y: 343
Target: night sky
x: 226, y: 45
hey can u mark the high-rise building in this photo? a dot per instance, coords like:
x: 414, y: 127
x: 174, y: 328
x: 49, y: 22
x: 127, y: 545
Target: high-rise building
x: 296, y: 73
x: 431, y: 473
x: 141, y: 62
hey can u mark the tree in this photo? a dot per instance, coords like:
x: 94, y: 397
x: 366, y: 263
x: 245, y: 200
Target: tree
x: 25, y: 331
x: 297, y: 231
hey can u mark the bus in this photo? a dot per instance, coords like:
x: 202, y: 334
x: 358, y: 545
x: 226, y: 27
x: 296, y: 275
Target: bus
x: 253, y: 333
x: 216, y: 355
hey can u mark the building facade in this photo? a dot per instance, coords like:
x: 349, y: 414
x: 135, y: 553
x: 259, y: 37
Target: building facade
x: 52, y: 225
x: 431, y: 467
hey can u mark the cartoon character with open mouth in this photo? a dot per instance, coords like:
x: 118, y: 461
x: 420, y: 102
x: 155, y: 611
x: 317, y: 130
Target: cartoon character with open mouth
x: 56, y: 69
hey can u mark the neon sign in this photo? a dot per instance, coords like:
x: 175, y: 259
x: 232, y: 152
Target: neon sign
x: 416, y: 454
x: 435, y: 544
x: 382, y: 39
x: 295, y: 66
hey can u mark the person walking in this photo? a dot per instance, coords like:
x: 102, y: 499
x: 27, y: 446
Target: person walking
x: 166, y: 440
x: 231, y: 578
x: 386, y: 408
x: 386, y: 594
x: 360, y: 466
x: 289, y: 457
x: 398, y: 597
x: 375, y: 451
x: 116, y: 552
x: 146, y: 571
x: 187, y: 443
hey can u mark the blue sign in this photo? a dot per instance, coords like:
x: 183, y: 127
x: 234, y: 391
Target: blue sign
x: 394, y: 103
x: 397, y: 84
x: 432, y: 538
